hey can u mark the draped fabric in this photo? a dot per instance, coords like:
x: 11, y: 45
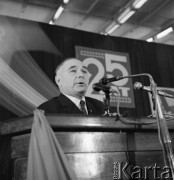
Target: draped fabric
x: 46, y: 159
x: 12, y: 82
x: 23, y: 85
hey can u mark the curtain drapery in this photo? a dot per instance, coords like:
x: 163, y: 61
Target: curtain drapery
x: 46, y: 159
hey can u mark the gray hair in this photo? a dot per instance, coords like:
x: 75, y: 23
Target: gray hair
x: 62, y: 63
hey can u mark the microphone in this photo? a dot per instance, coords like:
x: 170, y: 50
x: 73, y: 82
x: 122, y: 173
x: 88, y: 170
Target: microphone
x: 117, y: 78
x: 108, y: 80
x: 101, y: 87
x: 139, y: 86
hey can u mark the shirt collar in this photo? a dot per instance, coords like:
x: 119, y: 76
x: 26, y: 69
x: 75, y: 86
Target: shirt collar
x: 75, y: 100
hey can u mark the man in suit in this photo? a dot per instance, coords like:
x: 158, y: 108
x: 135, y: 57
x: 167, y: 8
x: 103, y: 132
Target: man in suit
x: 72, y: 78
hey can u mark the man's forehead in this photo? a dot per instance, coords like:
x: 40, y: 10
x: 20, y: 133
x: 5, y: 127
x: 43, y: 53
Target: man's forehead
x: 72, y: 63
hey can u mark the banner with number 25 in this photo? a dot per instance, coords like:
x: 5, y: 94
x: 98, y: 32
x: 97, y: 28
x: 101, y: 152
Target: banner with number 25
x: 104, y: 63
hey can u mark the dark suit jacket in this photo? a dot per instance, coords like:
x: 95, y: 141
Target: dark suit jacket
x: 63, y: 105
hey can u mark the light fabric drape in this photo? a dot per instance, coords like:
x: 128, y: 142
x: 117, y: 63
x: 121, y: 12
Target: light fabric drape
x: 46, y: 160
x: 23, y: 84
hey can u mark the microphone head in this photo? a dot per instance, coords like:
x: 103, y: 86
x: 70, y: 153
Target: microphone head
x: 138, y: 85
x: 101, y: 87
x: 97, y: 86
x: 103, y: 81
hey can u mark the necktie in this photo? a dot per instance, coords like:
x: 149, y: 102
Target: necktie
x: 82, y: 105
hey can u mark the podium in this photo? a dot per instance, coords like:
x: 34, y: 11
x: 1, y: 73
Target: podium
x: 98, y: 148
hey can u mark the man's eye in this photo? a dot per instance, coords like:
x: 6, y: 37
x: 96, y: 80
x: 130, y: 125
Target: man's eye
x: 84, y: 71
x: 73, y: 71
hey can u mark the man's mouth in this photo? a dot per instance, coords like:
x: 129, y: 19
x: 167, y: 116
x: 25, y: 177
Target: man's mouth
x: 81, y: 83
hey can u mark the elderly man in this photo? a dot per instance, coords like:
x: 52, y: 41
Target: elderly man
x: 72, y: 78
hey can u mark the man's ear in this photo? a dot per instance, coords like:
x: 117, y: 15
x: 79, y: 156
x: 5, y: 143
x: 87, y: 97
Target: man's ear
x: 57, y: 79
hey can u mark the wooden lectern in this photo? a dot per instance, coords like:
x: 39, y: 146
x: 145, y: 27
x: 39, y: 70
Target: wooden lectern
x: 98, y: 148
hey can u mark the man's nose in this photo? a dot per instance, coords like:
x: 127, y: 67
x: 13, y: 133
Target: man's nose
x: 81, y: 73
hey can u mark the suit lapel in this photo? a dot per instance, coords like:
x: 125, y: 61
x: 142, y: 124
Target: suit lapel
x: 68, y: 106
x: 90, y: 107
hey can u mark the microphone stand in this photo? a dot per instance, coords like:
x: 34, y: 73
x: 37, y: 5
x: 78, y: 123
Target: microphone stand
x: 164, y: 136
x: 107, y: 101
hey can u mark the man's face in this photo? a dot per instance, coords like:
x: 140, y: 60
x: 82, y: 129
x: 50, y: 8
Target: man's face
x: 73, y: 78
